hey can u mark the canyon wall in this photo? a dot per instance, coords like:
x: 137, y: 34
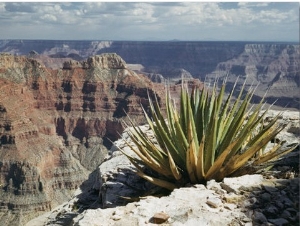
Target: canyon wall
x: 275, y: 66
x: 198, y: 58
x: 56, y: 125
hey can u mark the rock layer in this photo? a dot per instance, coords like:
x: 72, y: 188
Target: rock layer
x: 55, y: 126
x: 274, y: 68
x: 274, y: 65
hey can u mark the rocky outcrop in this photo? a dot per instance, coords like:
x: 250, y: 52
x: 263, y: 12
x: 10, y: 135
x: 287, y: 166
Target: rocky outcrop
x: 157, y: 78
x: 207, y: 205
x: 113, y: 185
x: 270, y: 198
x: 196, y: 205
x: 56, y: 125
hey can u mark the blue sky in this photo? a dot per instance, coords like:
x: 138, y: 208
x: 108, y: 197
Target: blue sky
x: 162, y: 21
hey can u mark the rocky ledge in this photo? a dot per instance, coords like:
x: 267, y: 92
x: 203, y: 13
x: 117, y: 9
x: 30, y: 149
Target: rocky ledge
x: 247, y: 200
x: 269, y: 198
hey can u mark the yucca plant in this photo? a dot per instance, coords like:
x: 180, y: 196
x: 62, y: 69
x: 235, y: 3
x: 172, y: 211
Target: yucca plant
x: 211, y: 136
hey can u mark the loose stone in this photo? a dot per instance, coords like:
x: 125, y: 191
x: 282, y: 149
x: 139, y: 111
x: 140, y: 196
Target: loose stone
x: 270, y: 189
x: 279, y: 204
x: 286, y: 214
x: 259, y: 217
x: 271, y: 210
x: 266, y: 196
x: 159, y: 218
x: 214, y: 202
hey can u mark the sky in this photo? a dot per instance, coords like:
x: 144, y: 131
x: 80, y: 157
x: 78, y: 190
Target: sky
x: 151, y: 21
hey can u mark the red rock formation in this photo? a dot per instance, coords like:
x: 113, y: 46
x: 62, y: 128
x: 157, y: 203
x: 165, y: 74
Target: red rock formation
x: 54, y: 125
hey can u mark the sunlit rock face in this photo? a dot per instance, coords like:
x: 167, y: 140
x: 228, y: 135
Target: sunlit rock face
x: 56, y: 125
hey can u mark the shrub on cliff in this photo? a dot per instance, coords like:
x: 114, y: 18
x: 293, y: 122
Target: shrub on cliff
x: 209, y: 137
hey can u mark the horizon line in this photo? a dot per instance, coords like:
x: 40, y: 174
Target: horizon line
x: 145, y: 40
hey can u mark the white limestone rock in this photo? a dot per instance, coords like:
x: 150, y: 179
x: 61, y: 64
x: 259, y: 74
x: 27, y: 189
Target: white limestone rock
x: 216, y: 203
x: 116, y: 177
x: 233, y: 184
x: 184, y: 206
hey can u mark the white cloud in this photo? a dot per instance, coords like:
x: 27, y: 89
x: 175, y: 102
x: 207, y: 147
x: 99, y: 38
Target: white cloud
x: 2, y: 7
x: 48, y: 17
x: 253, y: 4
x: 141, y: 19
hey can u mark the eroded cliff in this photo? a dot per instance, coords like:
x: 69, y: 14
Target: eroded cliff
x: 274, y: 65
x: 275, y: 68
x: 55, y: 126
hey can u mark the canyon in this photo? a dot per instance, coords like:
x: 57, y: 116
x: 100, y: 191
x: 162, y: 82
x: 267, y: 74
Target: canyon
x: 274, y: 66
x: 63, y: 103
x: 56, y: 126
